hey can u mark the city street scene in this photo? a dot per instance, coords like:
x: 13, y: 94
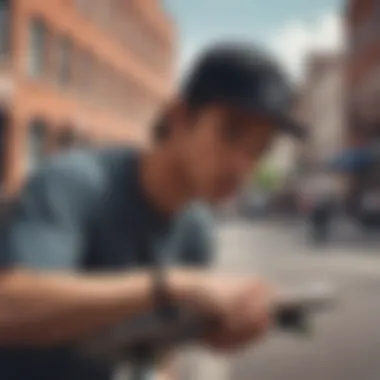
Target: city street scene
x: 92, y: 73
x: 343, y: 343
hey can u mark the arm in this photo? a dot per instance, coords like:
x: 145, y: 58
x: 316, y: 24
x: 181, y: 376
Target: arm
x: 43, y: 298
x: 168, y: 367
x: 39, y: 309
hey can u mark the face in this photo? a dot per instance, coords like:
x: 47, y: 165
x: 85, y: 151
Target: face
x: 219, y: 148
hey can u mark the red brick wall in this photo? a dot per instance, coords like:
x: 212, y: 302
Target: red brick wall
x: 363, y: 58
x: 133, y: 51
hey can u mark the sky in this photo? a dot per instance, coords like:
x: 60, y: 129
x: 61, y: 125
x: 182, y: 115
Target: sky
x: 289, y: 28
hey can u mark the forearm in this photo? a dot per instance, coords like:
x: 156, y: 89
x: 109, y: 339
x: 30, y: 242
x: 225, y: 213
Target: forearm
x: 168, y: 368
x: 42, y: 310
x: 166, y: 374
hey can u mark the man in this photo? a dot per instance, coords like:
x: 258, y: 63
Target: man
x: 321, y: 217
x: 87, y: 217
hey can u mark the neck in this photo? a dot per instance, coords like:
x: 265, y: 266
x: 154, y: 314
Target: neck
x: 160, y: 181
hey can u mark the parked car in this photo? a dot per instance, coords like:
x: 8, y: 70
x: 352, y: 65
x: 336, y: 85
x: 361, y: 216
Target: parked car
x: 322, y: 213
x: 368, y: 210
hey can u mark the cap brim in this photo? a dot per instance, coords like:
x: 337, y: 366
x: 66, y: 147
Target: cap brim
x: 283, y: 121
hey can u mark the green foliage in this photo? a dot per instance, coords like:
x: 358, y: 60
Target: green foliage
x: 267, y: 178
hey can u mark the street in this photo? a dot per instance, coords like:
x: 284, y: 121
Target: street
x: 346, y: 341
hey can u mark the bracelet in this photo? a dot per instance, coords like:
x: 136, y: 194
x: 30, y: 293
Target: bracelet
x: 164, y: 304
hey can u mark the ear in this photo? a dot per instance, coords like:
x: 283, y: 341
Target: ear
x: 176, y: 115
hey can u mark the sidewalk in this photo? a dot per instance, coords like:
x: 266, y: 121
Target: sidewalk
x: 280, y: 253
x: 345, y: 235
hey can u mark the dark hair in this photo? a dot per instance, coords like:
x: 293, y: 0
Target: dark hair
x: 161, y: 127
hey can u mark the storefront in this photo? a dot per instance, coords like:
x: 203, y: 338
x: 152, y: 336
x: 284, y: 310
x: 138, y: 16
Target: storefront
x: 4, y: 122
x: 362, y: 166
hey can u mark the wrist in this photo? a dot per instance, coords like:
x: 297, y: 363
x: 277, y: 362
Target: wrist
x: 184, y: 284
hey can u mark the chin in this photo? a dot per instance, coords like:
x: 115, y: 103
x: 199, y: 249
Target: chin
x: 221, y: 197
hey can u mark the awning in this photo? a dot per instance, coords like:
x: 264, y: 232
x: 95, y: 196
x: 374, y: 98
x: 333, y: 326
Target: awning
x: 353, y: 160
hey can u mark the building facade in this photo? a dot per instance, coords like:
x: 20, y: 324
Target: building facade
x: 362, y: 20
x: 78, y: 71
x: 321, y: 107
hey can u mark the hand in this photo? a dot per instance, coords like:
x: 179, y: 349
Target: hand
x: 240, y: 306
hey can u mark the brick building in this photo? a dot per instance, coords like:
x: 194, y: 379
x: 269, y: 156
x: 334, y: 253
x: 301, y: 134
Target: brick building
x: 320, y: 106
x: 362, y: 20
x: 78, y: 71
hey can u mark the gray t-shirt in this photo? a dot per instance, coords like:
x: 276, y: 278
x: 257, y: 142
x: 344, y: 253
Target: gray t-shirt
x: 85, y: 211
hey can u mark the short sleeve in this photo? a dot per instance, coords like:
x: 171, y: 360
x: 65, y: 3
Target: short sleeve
x: 197, y: 242
x: 47, y: 225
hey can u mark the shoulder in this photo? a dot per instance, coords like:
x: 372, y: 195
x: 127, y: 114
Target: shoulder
x: 76, y: 180
x: 84, y: 169
x: 68, y: 174
x: 89, y: 164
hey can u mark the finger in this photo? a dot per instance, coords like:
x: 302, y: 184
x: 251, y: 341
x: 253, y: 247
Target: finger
x: 263, y: 303
x: 230, y: 342
x: 250, y: 325
x: 257, y: 319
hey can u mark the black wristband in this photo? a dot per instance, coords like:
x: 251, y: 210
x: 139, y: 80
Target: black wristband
x: 165, y: 306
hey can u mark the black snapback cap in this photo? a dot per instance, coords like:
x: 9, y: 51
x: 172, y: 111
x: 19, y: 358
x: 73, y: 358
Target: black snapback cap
x: 243, y: 76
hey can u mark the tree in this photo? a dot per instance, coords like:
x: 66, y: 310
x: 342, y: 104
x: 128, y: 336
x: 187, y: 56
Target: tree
x: 267, y: 178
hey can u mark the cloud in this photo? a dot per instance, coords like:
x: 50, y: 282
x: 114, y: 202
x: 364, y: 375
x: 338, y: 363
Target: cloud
x: 296, y: 39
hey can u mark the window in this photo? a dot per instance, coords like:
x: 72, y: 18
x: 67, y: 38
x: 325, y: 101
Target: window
x: 101, y: 12
x: 101, y: 81
x: 36, y: 144
x: 97, y: 79
x: 4, y: 124
x: 85, y: 71
x: 107, y: 10
x: 79, y: 69
x: 65, y: 49
x: 107, y: 86
x: 4, y: 26
x: 84, y: 5
x: 37, y: 48
x: 114, y: 81
x: 119, y: 96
